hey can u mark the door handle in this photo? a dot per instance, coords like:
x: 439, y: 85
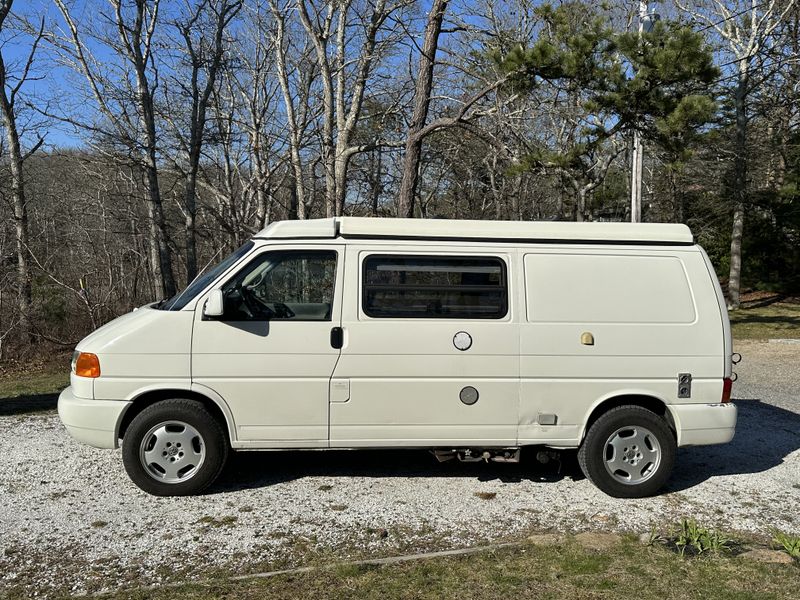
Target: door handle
x: 337, y: 338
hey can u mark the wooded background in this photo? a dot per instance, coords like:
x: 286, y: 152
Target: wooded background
x: 143, y: 139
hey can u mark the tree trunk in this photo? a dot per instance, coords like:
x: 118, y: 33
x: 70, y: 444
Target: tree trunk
x: 196, y: 131
x: 263, y: 205
x: 739, y: 189
x: 376, y: 186
x: 422, y: 100
x: 299, y: 190
x: 297, y: 210
x: 580, y: 205
x: 293, y: 203
x: 200, y: 102
x: 20, y: 208
x: 190, y: 201
x: 678, y: 202
x: 159, y: 250
x: 160, y: 256
x: 340, y: 187
x: 329, y: 157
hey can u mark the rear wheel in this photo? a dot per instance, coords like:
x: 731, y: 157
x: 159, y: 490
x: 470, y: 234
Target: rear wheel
x: 628, y: 452
x: 174, y: 448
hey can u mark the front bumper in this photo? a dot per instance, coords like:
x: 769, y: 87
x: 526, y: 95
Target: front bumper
x: 704, y: 424
x: 92, y: 422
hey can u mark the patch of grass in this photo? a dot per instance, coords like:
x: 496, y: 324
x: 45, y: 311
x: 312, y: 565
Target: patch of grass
x: 35, y: 389
x: 788, y: 543
x: 50, y: 380
x: 347, y: 571
x: 585, y: 563
x: 563, y: 570
x: 223, y: 521
x: 486, y: 495
x: 99, y: 524
x: 776, y: 320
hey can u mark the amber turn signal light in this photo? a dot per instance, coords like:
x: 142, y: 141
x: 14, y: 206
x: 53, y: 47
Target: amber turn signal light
x: 87, y: 365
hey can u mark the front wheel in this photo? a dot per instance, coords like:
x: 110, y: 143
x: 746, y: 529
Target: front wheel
x: 628, y: 452
x: 174, y: 448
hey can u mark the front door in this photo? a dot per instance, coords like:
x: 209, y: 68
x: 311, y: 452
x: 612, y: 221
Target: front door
x: 270, y: 355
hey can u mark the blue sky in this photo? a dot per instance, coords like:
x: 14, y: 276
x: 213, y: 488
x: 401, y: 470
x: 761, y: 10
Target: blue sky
x: 51, y: 82
x: 46, y: 79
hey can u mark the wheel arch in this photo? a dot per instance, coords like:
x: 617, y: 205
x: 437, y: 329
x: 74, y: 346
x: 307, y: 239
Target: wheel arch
x: 208, y: 398
x: 644, y: 399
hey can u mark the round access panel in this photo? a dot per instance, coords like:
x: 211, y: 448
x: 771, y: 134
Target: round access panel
x: 462, y: 341
x: 469, y: 395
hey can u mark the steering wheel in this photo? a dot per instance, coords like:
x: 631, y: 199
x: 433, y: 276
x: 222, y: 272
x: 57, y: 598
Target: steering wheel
x: 282, y: 311
x: 257, y: 310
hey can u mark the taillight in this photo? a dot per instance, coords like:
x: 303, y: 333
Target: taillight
x: 87, y: 365
x: 727, y: 386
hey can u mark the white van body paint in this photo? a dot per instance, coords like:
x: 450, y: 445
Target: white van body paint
x: 645, y: 292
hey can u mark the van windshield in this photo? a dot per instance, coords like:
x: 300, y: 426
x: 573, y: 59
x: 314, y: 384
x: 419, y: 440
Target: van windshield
x: 202, y: 281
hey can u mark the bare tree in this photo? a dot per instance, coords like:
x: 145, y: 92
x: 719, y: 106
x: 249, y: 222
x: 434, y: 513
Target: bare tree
x: 9, y: 93
x: 422, y: 100
x: 126, y: 102
x: 247, y: 153
x: 344, y: 86
x: 255, y: 97
x: 296, y: 105
x: 746, y: 29
x: 203, y: 57
x: 463, y: 109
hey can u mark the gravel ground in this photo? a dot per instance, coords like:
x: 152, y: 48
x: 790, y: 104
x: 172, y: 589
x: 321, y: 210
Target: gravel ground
x: 70, y: 520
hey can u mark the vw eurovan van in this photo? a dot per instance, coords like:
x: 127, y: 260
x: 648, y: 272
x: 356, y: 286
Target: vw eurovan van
x: 473, y: 339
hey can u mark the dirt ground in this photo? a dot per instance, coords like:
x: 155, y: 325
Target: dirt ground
x: 70, y: 519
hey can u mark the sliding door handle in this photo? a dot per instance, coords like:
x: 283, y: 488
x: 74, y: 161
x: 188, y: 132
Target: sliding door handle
x: 337, y: 338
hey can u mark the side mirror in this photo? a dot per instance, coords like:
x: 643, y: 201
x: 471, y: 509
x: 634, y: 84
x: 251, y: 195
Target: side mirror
x: 215, y: 305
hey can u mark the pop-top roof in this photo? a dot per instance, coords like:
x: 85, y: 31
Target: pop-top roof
x: 449, y: 229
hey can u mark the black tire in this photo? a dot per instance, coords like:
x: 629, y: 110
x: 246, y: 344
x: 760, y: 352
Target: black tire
x: 646, y: 475
x: 163, y: 424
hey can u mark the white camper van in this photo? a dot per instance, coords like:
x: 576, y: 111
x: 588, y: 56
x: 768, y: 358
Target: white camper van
x: 470, y: 338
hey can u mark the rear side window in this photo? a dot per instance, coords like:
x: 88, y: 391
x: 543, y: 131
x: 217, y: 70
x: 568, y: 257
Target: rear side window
x: 435, y: 287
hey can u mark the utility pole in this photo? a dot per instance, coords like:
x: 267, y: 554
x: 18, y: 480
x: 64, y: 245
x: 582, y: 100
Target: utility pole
x: 636, y: 159
x: 636, y: 179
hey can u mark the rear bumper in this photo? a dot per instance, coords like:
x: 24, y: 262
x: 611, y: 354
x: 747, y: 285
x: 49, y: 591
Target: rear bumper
x: 704, y: 424
x: 92, y: 422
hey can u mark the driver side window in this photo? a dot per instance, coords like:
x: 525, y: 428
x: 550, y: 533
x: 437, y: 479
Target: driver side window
x: 294, y: 285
